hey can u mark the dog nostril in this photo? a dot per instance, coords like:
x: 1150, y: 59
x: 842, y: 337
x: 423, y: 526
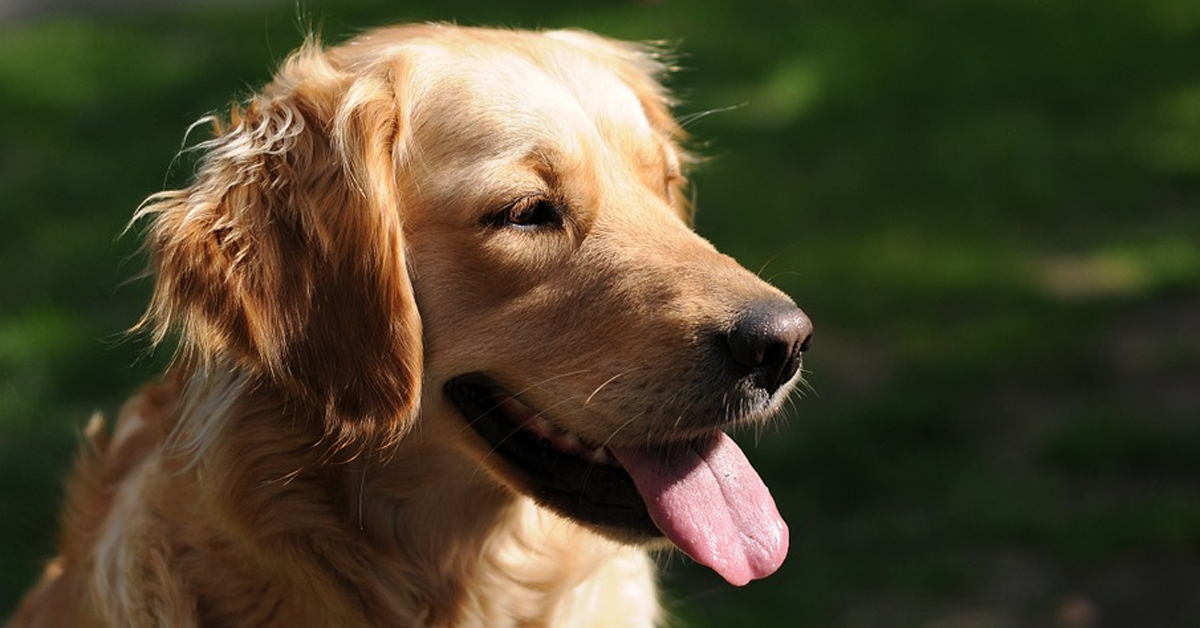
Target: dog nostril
x: 768, y: 339
x: 807, y: 342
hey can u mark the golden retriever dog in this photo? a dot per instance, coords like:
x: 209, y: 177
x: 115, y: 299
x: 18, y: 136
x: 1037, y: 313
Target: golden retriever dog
x: 449, y: 355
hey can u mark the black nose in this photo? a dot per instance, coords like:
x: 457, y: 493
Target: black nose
x: 767, y: 340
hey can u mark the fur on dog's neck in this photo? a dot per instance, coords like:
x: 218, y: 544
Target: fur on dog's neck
x: 418, y: 531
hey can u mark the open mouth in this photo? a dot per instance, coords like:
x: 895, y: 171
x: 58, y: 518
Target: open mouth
x: 702, y: 494
x: 578, y: 480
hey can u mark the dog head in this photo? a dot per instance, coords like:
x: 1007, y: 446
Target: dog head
x: 491, y: 226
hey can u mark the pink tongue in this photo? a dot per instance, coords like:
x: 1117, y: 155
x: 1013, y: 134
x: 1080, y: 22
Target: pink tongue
x: 711, y: 503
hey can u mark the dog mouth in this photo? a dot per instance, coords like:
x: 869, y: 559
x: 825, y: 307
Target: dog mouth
x: 557, y: 469
x: 702, y: 494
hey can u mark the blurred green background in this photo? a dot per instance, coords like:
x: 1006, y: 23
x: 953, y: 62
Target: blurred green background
x: 991, y: 210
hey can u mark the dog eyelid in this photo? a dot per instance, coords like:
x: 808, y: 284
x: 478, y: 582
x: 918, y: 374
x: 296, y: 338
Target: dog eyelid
x: 530, y: 213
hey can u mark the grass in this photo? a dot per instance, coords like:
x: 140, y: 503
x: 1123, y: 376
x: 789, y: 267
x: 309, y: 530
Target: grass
x: 989, y: 208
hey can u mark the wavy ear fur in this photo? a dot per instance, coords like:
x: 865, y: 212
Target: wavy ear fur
x: 285, y: 257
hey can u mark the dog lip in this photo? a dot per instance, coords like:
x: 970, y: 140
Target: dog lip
x: 526, y: 418
x: 553, y: 467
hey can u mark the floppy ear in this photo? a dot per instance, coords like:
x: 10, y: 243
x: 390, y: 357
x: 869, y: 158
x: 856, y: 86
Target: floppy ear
x: 285, y: 257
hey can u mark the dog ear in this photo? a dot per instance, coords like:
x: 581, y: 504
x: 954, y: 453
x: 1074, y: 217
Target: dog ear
x: 285, y: 257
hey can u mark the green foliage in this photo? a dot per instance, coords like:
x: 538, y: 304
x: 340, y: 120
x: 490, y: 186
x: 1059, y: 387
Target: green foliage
x: 988, y: 207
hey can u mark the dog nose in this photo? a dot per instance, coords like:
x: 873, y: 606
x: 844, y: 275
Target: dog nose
x: 767, y: 340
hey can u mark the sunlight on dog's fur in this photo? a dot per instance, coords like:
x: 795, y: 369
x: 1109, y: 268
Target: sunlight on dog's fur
x: 449, y: 355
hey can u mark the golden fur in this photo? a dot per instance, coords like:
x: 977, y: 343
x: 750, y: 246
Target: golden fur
x: 336, y: 261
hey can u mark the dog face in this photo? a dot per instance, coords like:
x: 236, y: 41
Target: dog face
x: 550, y: 252
x: 490, y: 226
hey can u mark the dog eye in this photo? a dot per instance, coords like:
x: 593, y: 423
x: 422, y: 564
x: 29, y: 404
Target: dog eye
x: 531, y: 213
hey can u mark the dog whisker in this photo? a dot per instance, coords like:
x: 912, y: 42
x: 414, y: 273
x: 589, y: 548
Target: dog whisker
x: 617, y: 430
x: 607, y: 441
x: 601, y: 387
x: 783, y: 273
x: 524, y: 390
x: 686, y: 121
